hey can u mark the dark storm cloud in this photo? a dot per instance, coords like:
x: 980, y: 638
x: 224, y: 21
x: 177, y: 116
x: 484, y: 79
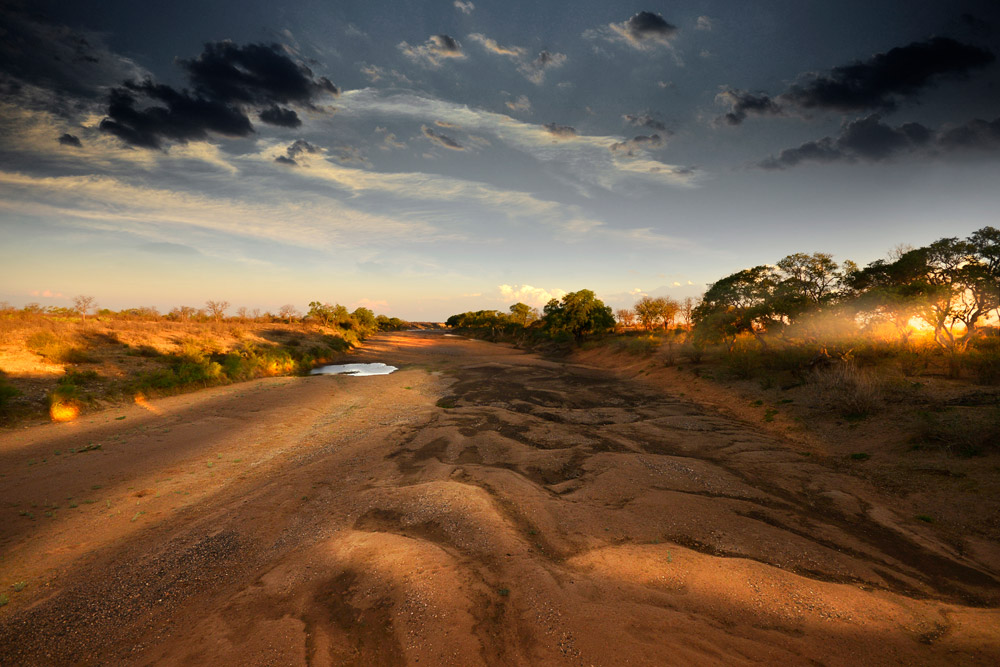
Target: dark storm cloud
x: 280, y: 116
x: 70, y: 140
x: 977, y: 26
x: 976, y: 134
x: 55, y: 67
x: 560, y: 131
x: 294, y: 150
x: 880, y: 81
x: 181, y: 117
x: 644, y: 120
x: 644, y: 29
x: 822, y: 150
x: 300, y: 146
x: 637, y: 145
x: 742, y: 103
x: 253, y: 74
x: 226, y: 79
x: 870, y: 140
x: 442, y: 139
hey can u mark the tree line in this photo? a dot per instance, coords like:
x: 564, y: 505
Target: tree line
x: 951, y: 286
x: 361, y: 320
x: 576, y: 315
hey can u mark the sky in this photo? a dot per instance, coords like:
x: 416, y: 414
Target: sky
x: 428, y: 158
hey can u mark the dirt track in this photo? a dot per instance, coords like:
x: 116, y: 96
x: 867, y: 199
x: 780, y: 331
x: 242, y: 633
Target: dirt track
x: 482, y: 505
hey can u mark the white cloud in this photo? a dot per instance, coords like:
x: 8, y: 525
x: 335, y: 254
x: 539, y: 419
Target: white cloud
x: 535, y: 70
x: 464, y: 7
x: 434, y: 52
x: 521, y: 104
x: 492, y: 46
x: 111, y: 204
x: 376, y: 73
x: 533, y: 296
x: 703, y: 23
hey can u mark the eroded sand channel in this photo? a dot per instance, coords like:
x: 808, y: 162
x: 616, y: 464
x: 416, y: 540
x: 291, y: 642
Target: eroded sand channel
x: 482, y: 505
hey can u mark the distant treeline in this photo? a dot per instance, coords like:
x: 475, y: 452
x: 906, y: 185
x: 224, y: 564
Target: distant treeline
x: 362, y: 320
x: 950, y: 289
x: 575, y: 316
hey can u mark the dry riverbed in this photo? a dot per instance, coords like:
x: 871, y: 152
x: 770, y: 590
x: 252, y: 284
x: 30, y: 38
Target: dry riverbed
x: 480, y: 505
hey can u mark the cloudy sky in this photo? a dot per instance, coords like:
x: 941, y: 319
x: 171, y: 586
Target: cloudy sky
x: 427, y: 158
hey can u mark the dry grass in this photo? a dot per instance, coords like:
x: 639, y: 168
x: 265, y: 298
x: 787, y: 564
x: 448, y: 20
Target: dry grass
x: 852, y: 392
x: 50, y: 361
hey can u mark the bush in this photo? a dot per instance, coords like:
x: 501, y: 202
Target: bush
x: 48, y: 346
x: 984, y: 360
x: 856, y: 393
x: 744, y: 361
x: 957, y: 434
x: 7, y: 395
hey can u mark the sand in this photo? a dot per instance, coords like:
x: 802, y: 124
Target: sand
x: 481, y: 505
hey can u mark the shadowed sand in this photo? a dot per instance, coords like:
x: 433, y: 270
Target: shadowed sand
x: 480, y: 505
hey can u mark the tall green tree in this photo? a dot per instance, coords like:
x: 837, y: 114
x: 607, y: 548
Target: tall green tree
x: 579, y: 313
x: 523, y: 314
x: 743, y: 302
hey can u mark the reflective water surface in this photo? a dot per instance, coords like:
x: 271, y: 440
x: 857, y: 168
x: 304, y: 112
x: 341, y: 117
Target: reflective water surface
x: 354, y: 369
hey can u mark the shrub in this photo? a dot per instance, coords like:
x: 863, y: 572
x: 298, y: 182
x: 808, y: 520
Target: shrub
x: 744, y: 361
x: 47, y: 345
x: 638, y: 345
x: 7, y: 395
x: 856, y: 393
x: 984, y: 360
x: 958, y: 434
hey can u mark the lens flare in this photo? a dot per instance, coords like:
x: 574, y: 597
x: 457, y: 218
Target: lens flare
x: 140, y: 400
x: 64, y: 412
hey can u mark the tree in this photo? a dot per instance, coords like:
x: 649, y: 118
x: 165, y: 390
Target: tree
x: 523, y: 314
x: 660, y: 311
x: 217, y: 309
x: 183, y: 313
x: 335, y: 315
x: 365, y: 319
x: 811, y: 280
x: 287, y: 312
x: 949, y: 284
x: 687, y: 310
x: 625, y: 317
x: 579, y: 313
x: 82, y: 304
x: 742, y: 302
x: 243, y: 313
x: 961, y: 288
x: 986, y: 243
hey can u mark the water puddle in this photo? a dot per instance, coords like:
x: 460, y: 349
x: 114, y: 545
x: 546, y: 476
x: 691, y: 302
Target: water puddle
x: 354, y: 369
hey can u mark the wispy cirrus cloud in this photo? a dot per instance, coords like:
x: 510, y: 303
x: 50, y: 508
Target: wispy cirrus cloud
x: 433, y: 53
x: 586, y: 157
x: 109, y: 203
x: 532, y: 69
